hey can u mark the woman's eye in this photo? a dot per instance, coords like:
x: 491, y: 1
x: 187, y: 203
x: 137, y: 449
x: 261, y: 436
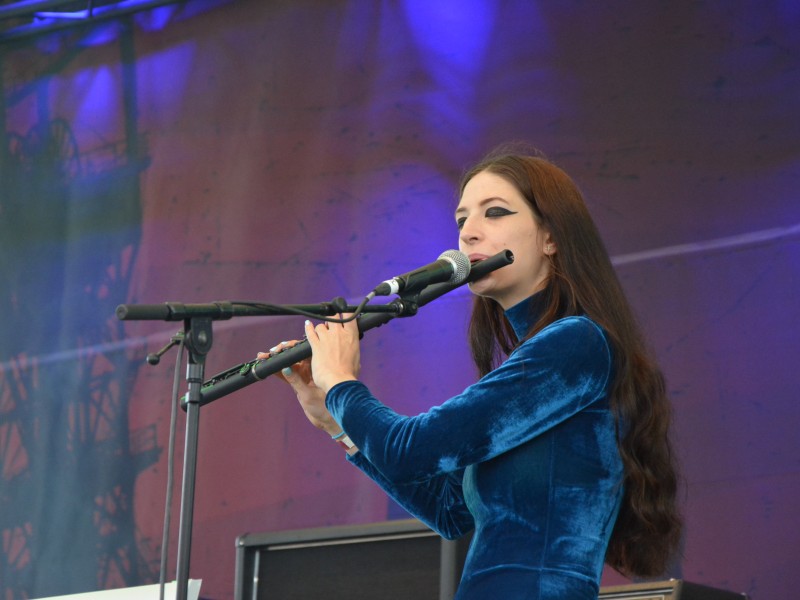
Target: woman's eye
x: 498, y: 211
x: 460, y: 222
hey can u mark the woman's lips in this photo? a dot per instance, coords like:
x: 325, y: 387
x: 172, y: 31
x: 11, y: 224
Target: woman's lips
x: 473, y: 258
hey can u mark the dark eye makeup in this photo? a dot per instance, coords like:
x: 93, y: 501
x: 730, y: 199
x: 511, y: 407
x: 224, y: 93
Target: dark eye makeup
x: 491, y: 212
x: 498, y: 211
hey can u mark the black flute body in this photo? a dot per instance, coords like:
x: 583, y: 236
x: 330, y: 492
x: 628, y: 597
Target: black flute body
x: 245, y: 374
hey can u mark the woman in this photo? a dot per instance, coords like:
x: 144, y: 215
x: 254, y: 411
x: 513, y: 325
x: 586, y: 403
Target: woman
x: 558, y: 457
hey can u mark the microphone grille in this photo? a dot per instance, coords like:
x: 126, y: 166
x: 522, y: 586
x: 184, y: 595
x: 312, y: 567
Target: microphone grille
x: 461, y: 262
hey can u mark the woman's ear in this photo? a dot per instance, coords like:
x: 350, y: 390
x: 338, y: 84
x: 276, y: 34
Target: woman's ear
x: 549, y: 246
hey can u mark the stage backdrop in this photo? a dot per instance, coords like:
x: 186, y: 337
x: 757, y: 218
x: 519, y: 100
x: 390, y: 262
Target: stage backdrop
x: 295, y: 151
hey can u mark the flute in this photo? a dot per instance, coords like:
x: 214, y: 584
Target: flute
x: 259, y: 369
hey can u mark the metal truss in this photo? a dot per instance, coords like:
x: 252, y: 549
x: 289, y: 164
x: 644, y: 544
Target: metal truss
x: 65, y: 441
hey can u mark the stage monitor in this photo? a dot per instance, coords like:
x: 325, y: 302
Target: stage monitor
x: 402, y: 560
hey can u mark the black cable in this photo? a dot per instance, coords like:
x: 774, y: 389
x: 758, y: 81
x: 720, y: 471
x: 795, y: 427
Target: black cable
x: 262, y: 306
x: 173, y: 424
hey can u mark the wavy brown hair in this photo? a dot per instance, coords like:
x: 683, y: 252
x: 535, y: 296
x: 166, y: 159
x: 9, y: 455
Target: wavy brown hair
x: 582, y: 281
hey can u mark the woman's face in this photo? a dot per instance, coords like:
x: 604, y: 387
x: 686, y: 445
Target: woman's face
x: 493, y: 216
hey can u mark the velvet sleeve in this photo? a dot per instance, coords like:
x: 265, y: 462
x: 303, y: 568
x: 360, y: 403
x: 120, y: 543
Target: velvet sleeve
x: 550, y: 377
x: 437, y: 502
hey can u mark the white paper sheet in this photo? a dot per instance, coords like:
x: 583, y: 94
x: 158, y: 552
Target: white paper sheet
x: 144, y: 592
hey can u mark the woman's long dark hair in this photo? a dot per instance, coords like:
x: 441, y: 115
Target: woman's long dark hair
x: 583, y: 281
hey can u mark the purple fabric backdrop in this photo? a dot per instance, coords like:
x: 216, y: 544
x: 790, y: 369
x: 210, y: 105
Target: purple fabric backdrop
x: 291, y: 152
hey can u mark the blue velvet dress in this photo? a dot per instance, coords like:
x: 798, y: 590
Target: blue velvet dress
x: 527, y: 457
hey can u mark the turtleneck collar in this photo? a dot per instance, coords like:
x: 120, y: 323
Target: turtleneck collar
x: 524, y: 314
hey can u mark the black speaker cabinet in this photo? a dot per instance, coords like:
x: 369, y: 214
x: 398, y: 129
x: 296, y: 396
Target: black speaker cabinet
x: 402, y: 560
x: 674, y: 589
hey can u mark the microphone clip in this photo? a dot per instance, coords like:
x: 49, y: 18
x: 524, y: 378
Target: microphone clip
x: 407, y: 305
x: 155, y: 357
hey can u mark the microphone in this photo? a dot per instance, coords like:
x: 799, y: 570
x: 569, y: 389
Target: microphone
x: 452, y: 266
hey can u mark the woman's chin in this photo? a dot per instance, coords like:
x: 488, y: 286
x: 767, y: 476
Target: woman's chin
x: 481, y: 288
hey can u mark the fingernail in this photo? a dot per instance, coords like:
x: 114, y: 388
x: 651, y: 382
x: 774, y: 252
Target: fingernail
x: 308, y: 322
x: 273, y: 348
x: 286, y: 371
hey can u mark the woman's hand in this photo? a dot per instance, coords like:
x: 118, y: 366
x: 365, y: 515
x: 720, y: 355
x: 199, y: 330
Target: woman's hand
x: 335, y: 352
x: 335, y: 358
x: 310, y: 397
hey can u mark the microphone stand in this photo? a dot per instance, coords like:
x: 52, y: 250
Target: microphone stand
x: 198, y: 338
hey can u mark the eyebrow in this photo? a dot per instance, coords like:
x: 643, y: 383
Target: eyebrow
x: 483, y: 202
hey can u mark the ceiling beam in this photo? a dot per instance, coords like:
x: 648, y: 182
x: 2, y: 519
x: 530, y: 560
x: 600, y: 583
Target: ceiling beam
x: 100, y: 13
x: 28, y: 7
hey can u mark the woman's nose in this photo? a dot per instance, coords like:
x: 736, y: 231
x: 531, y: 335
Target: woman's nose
x: 469, y: 232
